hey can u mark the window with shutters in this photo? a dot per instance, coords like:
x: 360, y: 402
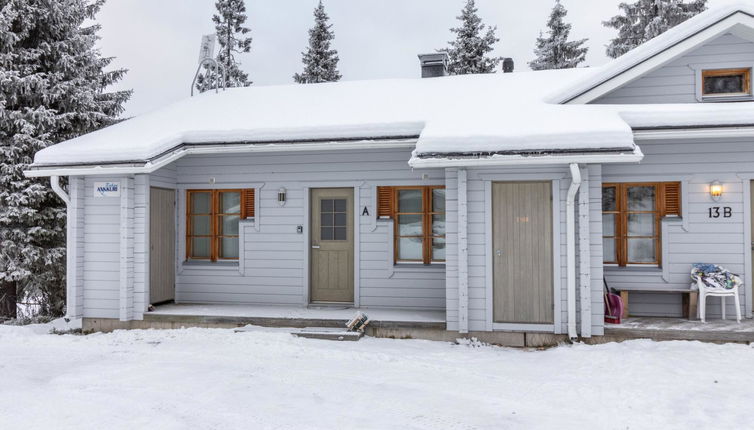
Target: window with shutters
x: 631, y: 215
x: 419, y: 215
x: 212, y: 218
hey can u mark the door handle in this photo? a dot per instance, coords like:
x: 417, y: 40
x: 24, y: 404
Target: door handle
x: 315, y: 246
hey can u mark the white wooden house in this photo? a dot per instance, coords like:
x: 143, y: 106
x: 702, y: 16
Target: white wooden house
x: 499, y: 202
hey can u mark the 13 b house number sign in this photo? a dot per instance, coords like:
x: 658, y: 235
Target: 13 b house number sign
x: 720, y: 212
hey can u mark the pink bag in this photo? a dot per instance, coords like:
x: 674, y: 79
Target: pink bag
x: 613, y: 307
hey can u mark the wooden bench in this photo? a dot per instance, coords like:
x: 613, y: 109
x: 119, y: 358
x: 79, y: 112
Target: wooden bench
x: 690, y: 300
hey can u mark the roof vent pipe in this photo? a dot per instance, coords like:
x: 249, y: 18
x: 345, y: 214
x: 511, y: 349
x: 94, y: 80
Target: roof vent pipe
x: 434, y: 65
x: 508, y: 65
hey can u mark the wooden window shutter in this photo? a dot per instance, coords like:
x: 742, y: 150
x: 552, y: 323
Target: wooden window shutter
x: 247, y: 203
x: 671, y: 194
x: 385, y: 202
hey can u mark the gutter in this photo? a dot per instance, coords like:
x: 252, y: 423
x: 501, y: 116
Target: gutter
x: 518, y: 159
x: 55, y: 181
x: 70, y: 308
x: 693, y: 132
x: 571, y: 248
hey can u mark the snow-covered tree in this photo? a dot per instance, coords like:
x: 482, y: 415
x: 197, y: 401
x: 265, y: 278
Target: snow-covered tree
x: 645, y: 19
x: 474, y: 40
x: 53, y: 83
x: 555, y: 51
x: 320, y: 61
x: 231, y: 36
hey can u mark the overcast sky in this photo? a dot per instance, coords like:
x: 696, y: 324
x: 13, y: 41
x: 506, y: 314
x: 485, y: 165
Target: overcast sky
x: 158, y: 40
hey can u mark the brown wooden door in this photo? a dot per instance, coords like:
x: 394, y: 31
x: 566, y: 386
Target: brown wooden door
x: 332, y: 245
x: 522, y: 252
x: 161, y: 245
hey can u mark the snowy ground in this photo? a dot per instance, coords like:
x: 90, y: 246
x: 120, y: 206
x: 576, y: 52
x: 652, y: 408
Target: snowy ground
x: 218, y: 379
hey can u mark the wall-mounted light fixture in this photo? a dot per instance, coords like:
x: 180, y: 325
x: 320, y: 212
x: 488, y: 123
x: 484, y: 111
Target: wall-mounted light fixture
x: 716, y: 190
x: 281, y: 196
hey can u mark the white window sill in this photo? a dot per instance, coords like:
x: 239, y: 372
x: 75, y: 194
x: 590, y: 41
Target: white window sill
x: 215, y: 265
x: 634, y: 269
x: 408, y: 267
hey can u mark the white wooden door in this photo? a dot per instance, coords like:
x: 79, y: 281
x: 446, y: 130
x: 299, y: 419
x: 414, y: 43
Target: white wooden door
x: 161, y: 245
x: 522, y: 252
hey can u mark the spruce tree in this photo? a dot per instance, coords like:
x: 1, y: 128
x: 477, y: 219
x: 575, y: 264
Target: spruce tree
x: 231, y: 36
x: 474, y: 40
x: 555, y: 51
x: 320, y: 62
x: 645, y: 19
x: 53, y: 89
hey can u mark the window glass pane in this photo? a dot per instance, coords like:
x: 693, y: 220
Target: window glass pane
x: 230, y: 202
x: 200, y: 247
x: 200, y: 225
x: 410, y: 200
x: 608, y: 199
x: 340, y: 233
x: 229, y: 225
x: 201, y: 203
x: 229, y: 247
x: 641, y: 251
x: 641, y: 224
x: 410, y: 225
x: 340, y: 220
x: 340, y: 205
x: 326, y: 219
x: 326, y: 233
x: 326, y: 205
x: 608, y: 225
x: 608, y: 250
x: 410, y: 248
x: 438, y: 249
x: 438, y: 225
x: 725, y: 84
x: 641, y: 198
x: 438, y: 200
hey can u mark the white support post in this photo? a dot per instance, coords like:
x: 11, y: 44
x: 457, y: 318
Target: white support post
x: 585, y: 260
x: 126, y: 279
x: 463, y: 254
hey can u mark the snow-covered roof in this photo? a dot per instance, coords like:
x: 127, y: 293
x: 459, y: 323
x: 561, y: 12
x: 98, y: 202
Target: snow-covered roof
x: 495, y: 115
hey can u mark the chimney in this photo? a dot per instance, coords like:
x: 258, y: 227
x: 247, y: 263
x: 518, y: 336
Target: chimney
x: 508, y: 65
x: 434, y: 65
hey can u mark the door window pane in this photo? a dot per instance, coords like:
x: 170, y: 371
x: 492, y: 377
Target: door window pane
x: 608, y: 250
x: 410, y: 225
x: 608, y: 225
x: 326, y: 205
x: 339, y: 205
x: 438, y: 200
x: 326, y: 233
x: 326, y: 219
x: 641, y: 198
x: 200, y: 247
x: 438, y: 249
x: 340, y: 233
x: 229, y: 247
x: 410, y: 248
x: 410, y: 201
x: 641, y: 251
x: 609, y: 202
x: 230, y: 202
x: 340, y: 220
x: 641, y: 224
x: 201, y: 203
x: 200, y: 225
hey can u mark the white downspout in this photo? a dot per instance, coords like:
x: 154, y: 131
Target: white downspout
x: 55, y: 181
x: 571, y: 248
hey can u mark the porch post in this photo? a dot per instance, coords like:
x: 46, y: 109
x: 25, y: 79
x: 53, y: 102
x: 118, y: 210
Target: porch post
x: 585, y: 279
x: 463, y: 254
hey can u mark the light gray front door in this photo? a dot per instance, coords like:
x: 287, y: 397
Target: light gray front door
x: 332, y: 242
x: 161, y: 245
x: 522, y: 252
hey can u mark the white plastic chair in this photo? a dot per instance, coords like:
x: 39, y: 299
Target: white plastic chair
x: 707, y: 289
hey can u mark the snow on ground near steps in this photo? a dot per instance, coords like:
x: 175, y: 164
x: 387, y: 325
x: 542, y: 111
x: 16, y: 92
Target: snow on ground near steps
x: 266, y: 378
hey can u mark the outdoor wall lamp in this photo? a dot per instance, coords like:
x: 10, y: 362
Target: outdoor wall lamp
x: 281, y: 196
x: 716, y: 190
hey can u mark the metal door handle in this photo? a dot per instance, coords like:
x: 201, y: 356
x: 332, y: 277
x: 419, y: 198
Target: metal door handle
x: 315, y: 246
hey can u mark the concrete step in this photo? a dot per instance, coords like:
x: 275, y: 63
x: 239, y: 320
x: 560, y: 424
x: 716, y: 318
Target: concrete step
x: 326, y: 333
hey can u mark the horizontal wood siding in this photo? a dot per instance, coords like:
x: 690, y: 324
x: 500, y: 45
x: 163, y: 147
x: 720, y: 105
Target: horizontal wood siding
x: 101, y: 252
x: 675, y: 82
x: 696, y: 238
x: 274, y: 253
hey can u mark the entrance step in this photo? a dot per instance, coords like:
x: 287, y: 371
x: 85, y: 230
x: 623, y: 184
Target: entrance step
x: 326, y: 333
